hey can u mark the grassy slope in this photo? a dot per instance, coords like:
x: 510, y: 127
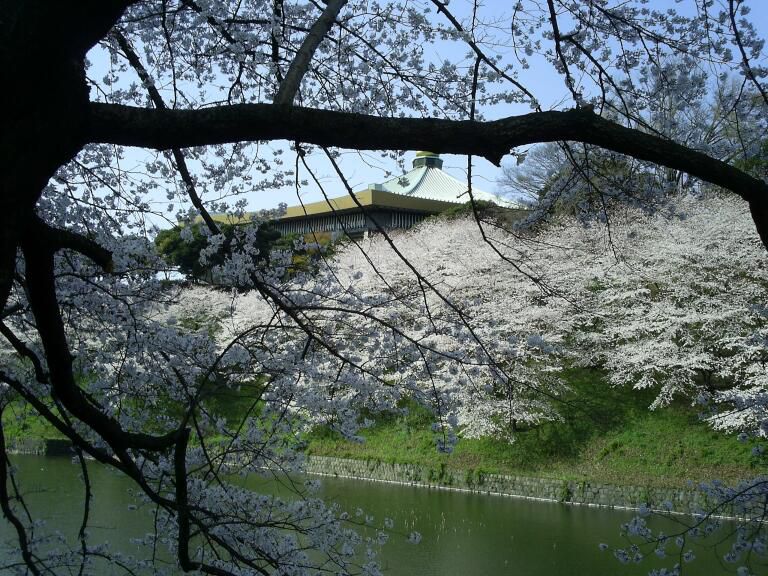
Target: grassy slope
x: 608, y: 435
x: 20, y: 422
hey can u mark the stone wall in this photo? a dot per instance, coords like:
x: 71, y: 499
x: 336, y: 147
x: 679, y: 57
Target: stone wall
x: 550, y: 489
x: 39, y: 446
x: 556, y: 490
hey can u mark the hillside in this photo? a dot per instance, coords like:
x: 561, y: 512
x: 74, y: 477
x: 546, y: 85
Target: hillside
x: 543, y: 351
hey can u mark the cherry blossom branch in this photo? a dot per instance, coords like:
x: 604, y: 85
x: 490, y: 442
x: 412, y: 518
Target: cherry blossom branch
x: 25, y: 352
x: 750, y: 73
x: 569, y: 82
x: 178, y: 155
x: 443, y: 9
x: 277, y: 12
x: 45, y: 307
x: 298, y: 68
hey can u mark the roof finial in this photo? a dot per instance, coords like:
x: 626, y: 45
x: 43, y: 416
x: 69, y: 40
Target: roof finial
x: 429, y: 159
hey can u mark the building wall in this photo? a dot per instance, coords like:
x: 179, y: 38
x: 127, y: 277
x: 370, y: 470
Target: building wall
x: 352, y: 223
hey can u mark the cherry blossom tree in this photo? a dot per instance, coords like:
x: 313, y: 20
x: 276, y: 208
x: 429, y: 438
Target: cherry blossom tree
x: 682, y: 309
x: 224, y: 98
x: 672, y: 301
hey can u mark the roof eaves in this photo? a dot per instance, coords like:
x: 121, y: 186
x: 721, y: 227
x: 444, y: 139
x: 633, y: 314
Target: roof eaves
x: 338, y: 204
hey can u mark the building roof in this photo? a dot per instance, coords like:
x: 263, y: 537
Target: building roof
x: 368, y: 198
x: 425, y: 188
x: 431, y: 182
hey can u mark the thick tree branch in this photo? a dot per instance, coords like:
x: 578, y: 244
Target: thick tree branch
x: 163, y: 129
x: 73, y: 26
x: 7, y: 264
x: 45, y: 307
x: 59, y: 238
x: 290, y: 85
x: 180, y: 473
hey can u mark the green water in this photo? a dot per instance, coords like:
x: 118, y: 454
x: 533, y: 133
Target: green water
x: 463, y: 534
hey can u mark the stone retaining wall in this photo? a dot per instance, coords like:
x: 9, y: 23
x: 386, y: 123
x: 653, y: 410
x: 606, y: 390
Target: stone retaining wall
x: 551, y: 489
x: 571, y: 492
x: 39, y: 446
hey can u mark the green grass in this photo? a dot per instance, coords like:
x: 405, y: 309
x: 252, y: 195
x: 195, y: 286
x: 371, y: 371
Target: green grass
x: 22, y: 422
x: 607, y: 435
x: 669, y: 447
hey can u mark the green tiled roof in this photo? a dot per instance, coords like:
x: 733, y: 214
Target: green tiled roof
x: 426, y: 188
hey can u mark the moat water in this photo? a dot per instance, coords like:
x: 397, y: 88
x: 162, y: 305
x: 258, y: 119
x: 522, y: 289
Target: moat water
x: 463, y: 534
